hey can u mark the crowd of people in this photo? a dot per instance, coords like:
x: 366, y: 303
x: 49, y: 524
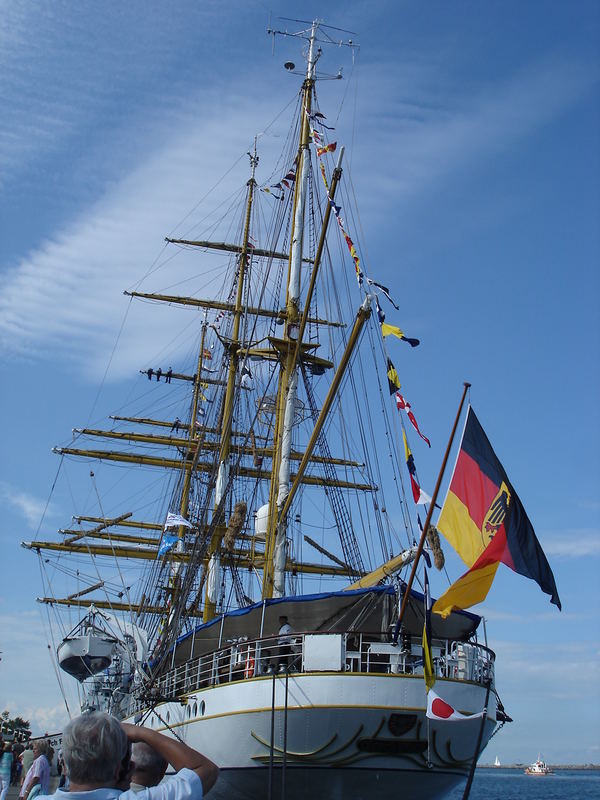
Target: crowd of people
x: 17, y: 765
x: 102, y: 759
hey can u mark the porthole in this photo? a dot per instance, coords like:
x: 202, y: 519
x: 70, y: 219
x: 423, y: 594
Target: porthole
x: 202, y: 707
x: 168, y: 716
x: 188, y: 711
x: 195, y: 709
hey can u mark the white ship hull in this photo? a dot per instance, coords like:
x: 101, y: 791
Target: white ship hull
x: 343, y: 735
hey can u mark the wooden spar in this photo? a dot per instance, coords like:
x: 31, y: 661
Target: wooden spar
x: 149, y: 526
x: 103, y: 525
x: 181, y: 376
x: 431, y: 508
x: 219, y: 305
x: 89, y: 589
x: 201, y: 466
x: 113, y: 605
x: 325, y: 552
x: 182, y: 425
x: 229, y: 248
x: 385, y: 570
x: 173, y: 441
x: 242, y: 558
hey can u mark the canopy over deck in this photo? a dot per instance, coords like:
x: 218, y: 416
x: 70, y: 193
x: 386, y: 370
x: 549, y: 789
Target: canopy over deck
x: 368, y: 610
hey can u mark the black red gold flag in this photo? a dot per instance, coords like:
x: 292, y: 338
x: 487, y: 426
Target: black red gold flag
x: 485, y: 522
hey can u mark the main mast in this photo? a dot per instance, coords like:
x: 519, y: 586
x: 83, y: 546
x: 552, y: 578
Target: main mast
x: 276, y: 541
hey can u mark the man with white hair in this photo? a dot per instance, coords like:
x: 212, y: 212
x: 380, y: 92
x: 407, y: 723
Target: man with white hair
x: 97, y: 753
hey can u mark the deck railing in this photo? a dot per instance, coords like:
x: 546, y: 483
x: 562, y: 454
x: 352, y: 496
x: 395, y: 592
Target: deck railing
x: 243, y: 659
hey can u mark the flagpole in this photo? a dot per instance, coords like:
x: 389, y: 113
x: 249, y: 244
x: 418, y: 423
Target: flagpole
x: 411, y: 579
x: 478, y: 745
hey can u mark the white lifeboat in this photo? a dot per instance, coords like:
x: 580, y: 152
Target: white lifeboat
x: 86, y: 655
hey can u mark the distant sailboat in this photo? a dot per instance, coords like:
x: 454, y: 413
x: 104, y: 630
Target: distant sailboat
x: 497, y: 762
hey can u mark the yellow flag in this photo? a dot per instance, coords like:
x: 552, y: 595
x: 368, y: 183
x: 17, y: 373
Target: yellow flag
x: 393, y: 330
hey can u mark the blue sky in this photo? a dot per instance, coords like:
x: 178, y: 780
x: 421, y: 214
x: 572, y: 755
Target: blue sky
x: 472, y: 132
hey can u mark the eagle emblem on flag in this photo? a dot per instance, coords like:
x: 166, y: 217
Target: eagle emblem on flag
x: 496, y: 513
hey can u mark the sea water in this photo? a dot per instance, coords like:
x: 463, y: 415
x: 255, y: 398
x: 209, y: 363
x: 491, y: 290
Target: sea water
x: 513, y: 784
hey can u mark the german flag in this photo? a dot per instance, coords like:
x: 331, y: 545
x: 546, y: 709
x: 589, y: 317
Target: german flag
x: 485, y: 522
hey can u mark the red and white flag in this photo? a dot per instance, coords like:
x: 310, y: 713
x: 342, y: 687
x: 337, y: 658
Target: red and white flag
x: 401, y: 403
x: 439, y: 709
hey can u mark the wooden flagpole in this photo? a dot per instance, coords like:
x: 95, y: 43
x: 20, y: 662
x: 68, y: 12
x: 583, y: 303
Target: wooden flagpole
x: 430, y: 512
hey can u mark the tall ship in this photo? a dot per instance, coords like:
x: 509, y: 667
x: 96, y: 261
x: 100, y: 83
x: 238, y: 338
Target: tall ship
x: 257, y: 589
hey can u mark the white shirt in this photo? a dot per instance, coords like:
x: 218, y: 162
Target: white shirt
x: 285, y: 628
x: 184, y: 785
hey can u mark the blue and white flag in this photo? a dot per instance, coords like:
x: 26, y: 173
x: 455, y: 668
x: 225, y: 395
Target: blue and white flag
x: 166, y: 543
x: 175, y: 520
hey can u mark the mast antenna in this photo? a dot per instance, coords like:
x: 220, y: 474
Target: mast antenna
x: 311, y: 32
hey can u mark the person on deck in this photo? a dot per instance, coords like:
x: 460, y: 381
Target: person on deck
x: 285, y: 643
x: 97, y: 752
x: 150, y: 373
x: 169, y: 375
x: 158, y: 374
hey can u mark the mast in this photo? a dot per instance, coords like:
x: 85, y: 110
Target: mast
x: 210, y: 598
x: 195, y: 435
x: 276, y: 543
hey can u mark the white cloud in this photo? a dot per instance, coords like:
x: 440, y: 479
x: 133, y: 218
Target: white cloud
x: 450, y: 132
x: 547, y: 670
x: 30, y: 507
x: 23, y: 638
x: 573, y: 543
x: 65, y: 297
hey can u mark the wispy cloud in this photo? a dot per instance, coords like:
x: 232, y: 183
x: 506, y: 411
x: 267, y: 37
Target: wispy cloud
x: 66, y: 297
x: 23, y: 636
x: 573, y: 543
x: 25, y: 504
x: 545, y: 671
x: 434, y: 133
